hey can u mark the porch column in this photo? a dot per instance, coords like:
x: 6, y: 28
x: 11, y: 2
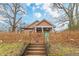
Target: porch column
x: 42, y: 29
x: 35, y: 29
x: 52, y: 29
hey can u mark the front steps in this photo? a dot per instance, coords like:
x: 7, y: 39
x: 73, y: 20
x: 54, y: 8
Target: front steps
x: 35, y: 50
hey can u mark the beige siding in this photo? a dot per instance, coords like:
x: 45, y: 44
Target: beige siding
x: 43, y: 24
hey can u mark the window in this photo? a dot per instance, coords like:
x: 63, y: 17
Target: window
x: 39, y: 29
x: 47, y: 29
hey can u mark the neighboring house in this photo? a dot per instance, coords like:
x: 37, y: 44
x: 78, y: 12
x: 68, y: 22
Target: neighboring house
x: 41, y: 26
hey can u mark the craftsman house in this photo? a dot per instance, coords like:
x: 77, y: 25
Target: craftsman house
x: 41, y: 26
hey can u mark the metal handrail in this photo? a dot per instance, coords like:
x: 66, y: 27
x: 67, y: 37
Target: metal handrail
x: 46, y: 48
x: 46, y: 44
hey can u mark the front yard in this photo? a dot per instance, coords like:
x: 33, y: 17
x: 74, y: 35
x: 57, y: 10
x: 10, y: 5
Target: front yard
x: 61, y: 44
x: 64, y: 43
x: 60, y: 50
x: 12, y: 49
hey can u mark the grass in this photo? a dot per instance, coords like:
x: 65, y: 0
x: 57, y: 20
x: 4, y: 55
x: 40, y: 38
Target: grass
x: 10, y: 37
x: 13, y: 44
x: 64, y: 43
x: 61, y: 50
x: 61, y: 44
x: 11, y: 49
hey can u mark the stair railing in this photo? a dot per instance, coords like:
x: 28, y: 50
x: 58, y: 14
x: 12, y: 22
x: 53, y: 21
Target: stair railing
x: 47, y: 48
x: 46, y: 36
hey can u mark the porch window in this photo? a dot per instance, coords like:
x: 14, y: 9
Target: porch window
x: 47, y: 29
x: 39, y: 29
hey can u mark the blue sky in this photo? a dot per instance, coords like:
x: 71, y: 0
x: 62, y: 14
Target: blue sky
x: 40, y: 11
x: 36, y: 12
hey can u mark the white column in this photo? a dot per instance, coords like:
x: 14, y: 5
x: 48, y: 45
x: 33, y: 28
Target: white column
x: 52, y: 29
x: 35, y: 29
x: 42, y: 29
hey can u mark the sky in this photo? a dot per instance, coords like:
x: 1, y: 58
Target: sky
x: 37, y: 11
x: 40, y: 11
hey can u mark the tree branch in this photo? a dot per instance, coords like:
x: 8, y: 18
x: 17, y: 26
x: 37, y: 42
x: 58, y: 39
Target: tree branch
x: 18, y: 20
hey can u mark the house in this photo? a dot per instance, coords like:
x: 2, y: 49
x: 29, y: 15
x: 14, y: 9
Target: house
x: 39, y: 26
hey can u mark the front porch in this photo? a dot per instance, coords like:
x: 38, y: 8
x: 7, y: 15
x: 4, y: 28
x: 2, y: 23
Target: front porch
x: 43, y: 28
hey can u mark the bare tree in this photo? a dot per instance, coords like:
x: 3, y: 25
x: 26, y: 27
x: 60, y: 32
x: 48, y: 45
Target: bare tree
x: 72, y: 12
x: 13, y: 12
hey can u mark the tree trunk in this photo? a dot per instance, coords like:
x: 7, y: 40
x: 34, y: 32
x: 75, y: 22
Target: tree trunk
x: 14, y: 19
x: 13, y: 28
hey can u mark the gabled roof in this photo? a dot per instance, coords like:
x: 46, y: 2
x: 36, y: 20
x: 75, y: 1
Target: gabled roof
x: 37, y: 23
x: 33, y: 24
x: 44, y: 21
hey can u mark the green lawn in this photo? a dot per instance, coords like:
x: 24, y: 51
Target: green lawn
x: 60, y: 50
x: 11, y: 49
